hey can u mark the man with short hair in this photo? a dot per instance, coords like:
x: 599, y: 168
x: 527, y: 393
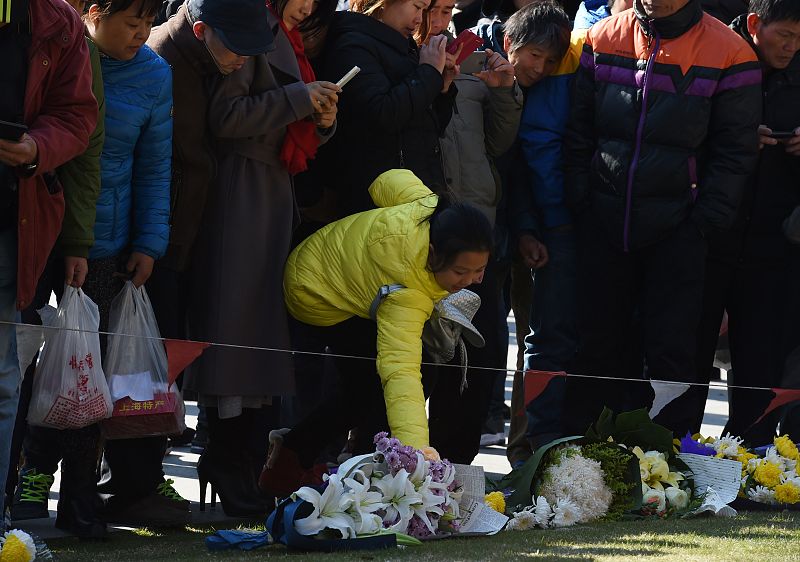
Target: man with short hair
x: 536, y: 40
x: 204, y: 40
x: 754, y: 271
x: 45, y: 85
x: 539, y: 211
x: 661, y: 140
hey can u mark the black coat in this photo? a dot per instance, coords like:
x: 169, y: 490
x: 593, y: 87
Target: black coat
x: 725, y: 10
x: 391, y: 114
x: 642, y: 171
x: 773, y: 190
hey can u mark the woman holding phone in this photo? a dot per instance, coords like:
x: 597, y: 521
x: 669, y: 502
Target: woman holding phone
x: 394, y: 110
x: 268, y: 117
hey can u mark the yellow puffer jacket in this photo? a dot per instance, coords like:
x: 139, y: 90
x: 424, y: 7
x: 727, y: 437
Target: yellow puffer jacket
x: 336, y: 273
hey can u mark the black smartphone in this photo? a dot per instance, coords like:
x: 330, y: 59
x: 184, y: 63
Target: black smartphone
x: 12, y: 131
x: 782, y: 135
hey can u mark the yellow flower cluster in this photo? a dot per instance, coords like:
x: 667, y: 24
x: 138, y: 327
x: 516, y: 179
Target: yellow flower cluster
x: 654, y: 470
x: 14, y: 550
x: 786, y: 448
x: 768, y: 474
x: 496, y: 501
x: 787, y: 493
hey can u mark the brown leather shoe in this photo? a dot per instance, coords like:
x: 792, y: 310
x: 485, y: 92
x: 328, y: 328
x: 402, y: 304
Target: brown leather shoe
x: 283, y: 474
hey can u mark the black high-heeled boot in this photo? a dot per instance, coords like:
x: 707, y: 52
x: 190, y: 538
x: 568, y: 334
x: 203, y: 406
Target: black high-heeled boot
x: 232, y: 479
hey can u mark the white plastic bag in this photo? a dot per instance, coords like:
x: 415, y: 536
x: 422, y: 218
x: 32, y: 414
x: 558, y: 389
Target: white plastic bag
x: 70, y: 389
x: 146, y: 402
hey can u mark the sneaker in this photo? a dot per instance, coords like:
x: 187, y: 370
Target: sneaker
x: 163, y: 508
x: 490, y: 439
x: 30, y: 499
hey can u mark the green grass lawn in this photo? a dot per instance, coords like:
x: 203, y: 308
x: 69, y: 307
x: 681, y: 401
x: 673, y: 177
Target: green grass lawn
x: 756, y: 537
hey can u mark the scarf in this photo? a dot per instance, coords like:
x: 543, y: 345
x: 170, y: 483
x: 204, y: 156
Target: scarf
x: 301, y: 141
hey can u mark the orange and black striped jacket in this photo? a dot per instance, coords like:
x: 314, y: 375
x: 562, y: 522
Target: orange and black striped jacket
x: 663, y: 125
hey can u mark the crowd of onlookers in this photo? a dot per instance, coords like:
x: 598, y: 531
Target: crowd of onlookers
x: 619, y: 173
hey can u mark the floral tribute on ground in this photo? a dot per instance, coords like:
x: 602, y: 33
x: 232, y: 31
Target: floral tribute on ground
x: 769, y: 474
x: 397, y: 490
x: 623, y: 467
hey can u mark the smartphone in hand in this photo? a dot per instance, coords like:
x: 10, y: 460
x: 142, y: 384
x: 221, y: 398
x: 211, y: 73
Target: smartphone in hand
x: 470, y: 41
x: 782, y: 135
x: 476, y: 62
x: 12, y: 131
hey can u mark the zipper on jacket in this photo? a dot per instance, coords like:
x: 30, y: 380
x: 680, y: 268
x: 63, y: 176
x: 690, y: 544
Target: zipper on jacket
x: 692, y: 161
x: 639, y: 132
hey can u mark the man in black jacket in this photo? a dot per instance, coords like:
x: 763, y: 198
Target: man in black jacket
x: 754, y: 271
x: 661, y: 139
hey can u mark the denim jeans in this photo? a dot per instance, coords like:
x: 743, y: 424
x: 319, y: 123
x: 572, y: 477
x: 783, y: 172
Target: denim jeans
x: 9, y: 366
x: 551, y: 343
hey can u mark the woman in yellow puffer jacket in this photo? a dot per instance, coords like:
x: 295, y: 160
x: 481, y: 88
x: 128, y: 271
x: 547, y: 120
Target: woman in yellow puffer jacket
x: 421, y: 241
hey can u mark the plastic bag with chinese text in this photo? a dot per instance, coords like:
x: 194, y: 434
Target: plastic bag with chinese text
x: 70, y: 389
x: 146, y: 402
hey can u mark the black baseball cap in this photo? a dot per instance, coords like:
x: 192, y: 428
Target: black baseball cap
x: 240, y: 24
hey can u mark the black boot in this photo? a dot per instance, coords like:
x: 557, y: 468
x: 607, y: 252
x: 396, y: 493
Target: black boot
x: 78, y: 516
x: 79, y: 504
x: 232, y: 479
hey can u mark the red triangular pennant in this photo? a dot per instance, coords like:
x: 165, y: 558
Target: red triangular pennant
x: 536, y: 382
x: 181, y: 354
x: 782, y: 396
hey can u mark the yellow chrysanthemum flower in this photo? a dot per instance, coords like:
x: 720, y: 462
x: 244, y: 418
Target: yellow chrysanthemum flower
x: 496, y: 501
x: 787, y: 493
x: 786, y: 448
x: 768, y: 474
x: 17, y: 550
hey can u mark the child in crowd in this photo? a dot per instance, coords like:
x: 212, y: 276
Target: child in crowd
x: 423, y: 242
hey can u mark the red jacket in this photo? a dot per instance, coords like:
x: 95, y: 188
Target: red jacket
x: 61, y: 113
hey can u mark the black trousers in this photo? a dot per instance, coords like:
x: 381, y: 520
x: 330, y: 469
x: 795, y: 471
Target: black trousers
x: 457, y: 418
x: 664, y: 283
x: 762, y: 304
x: 357, y: 401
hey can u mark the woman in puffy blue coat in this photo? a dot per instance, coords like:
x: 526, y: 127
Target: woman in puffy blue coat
x: 132, y: 225
x: 131, y: 232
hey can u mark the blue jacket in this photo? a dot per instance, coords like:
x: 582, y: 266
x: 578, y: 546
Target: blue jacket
x: 133, y: 207
x: 590, y: 12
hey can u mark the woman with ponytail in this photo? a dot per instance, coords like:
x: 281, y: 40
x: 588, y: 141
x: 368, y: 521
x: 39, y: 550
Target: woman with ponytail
x: 369, y: 282
x: 268, y: 118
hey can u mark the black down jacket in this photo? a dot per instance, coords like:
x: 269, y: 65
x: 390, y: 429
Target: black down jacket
x: 391, y: 114
x: 663, y: 125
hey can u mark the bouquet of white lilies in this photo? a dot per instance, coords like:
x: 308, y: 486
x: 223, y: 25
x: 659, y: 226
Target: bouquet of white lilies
x: 398, y: 490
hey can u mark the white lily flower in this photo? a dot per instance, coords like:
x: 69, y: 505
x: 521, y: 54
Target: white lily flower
x: 421, y: 471
x: 329, y: 510
x: 361, y: 503
x: 431, y: 503
x: 399, y: 495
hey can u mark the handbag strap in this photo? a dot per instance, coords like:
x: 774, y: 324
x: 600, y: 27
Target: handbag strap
x: 383, y: 292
